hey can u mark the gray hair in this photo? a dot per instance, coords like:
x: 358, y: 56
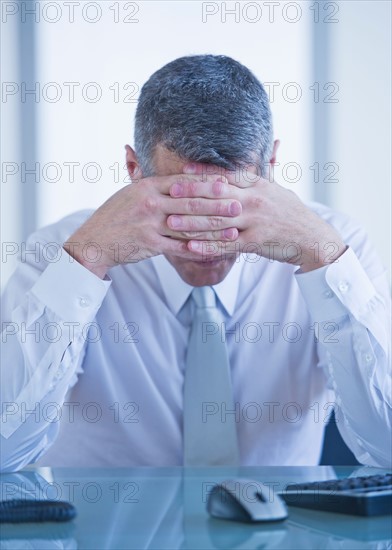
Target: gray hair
x: 205, y: 108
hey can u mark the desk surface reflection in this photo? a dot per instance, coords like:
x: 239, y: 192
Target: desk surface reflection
x: 165, y: 508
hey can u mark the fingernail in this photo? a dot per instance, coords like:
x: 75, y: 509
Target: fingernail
x: 196, y: 246
x: 176, y: 190
x: 190, y: 168
x: 175, y: 222
x: 235, y: 208
x: 230, y: 233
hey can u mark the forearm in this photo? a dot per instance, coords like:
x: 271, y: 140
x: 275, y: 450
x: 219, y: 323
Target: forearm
x: 42, y: 347
x: 35, y: 376
x: 357, y: 368
x: 37, y: 428
x: 351, y: 317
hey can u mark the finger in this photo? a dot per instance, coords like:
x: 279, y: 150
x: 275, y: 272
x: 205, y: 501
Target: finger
x: 242, y: 175
x: 167, y: 245
x: 164, y: 183
x: 203, y: 169
x: 199, y: 223
x: 210, y: 249
x: 211, y: 188
x: 202, y: 207
x: 230, y: 234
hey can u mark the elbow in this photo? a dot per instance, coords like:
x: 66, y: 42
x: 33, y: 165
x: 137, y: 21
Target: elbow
x: 15, y: 456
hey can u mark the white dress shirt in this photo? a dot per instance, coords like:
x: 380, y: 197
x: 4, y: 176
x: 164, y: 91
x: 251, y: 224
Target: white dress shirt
x: 92, y: 370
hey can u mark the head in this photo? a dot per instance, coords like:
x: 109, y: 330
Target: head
x: 208, y: 109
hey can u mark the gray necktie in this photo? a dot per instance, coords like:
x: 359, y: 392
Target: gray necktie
x: 210, y: 436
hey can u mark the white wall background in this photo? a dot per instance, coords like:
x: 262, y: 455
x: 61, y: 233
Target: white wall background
x: 11, y: 190
x: 361, y: 140
x: 278, y: 47
x: 108, y: 53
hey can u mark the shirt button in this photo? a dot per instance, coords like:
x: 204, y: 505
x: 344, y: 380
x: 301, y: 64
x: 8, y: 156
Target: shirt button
x: 343, y: 286
x: 83, y: 302
x: 328, y: 294
x: 368, y: 358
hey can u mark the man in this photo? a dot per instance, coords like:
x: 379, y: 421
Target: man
x: 98, y: 364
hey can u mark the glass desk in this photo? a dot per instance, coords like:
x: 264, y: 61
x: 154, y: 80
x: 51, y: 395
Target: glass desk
x: 165, y: 508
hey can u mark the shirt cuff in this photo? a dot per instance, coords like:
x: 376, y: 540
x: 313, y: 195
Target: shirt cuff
x: 333, y: 291
x: 70, y: 290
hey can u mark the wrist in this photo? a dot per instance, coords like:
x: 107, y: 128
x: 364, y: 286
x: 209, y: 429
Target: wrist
x: 327, y: 258
x: 79, y: 252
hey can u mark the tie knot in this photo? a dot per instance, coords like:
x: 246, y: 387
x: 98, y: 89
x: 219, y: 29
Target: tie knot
x: 204, y: 296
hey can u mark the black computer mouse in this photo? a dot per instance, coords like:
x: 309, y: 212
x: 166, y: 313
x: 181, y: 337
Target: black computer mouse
x: 245, y: 500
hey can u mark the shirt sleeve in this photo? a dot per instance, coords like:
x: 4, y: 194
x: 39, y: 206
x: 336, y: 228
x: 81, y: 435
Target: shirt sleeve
x: 43, y: 342
x: 351, y: 317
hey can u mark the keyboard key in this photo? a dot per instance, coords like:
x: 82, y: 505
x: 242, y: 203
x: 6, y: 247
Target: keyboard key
x: 365, y: 495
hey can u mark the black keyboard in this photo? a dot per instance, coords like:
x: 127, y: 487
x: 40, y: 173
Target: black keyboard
x: 35, y: 511
x: 360, y: 496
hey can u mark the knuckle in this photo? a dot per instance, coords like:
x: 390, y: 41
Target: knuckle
x: 215, y: 222
x: 193, y: 224
x: 257, y: 202
x: 181, y: 179
x: 193, y: 206
x: 150, y: 204
x: 192, y: 188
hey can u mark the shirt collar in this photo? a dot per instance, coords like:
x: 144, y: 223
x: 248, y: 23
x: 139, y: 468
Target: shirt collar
x: 177, y: 291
